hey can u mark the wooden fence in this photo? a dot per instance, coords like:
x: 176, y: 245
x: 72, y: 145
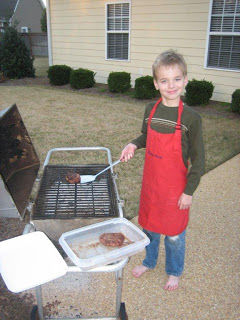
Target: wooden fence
x: 37, y: 43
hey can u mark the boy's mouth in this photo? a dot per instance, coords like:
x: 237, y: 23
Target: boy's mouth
x: 172, y: 91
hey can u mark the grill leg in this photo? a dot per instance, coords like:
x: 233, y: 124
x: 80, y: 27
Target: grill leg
x: 34, y: 313
x: 39, y: 302
x: 123, y: 314
x: 119, y: 280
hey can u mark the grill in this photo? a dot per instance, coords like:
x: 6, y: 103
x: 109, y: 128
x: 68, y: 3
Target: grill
x: 57, y: 199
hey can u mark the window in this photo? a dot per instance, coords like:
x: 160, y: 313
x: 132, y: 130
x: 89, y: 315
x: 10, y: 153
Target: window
x: 117, y: 31
x: 224, y: 35
x: 24, y: 29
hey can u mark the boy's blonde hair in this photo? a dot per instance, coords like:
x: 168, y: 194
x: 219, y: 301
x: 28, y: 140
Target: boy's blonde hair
x: 169, y: 58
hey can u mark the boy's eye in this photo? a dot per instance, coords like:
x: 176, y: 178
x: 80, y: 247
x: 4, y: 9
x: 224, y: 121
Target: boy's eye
x: 163, y: 81
x: 178, y: 79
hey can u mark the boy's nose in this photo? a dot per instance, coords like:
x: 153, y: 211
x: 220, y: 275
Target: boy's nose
x: 171, y: 84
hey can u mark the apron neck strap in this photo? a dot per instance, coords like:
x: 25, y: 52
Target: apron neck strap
x: 180, y: 110
x: 153, y: 111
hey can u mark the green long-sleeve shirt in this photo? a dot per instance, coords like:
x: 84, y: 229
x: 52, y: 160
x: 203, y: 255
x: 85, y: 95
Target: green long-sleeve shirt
x: 164, y: 121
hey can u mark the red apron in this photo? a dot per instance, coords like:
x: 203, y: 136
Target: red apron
x: 164, y: 180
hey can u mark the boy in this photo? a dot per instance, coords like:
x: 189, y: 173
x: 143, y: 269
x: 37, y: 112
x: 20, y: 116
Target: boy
x: 172, y: 134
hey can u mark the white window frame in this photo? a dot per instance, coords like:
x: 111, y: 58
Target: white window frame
x: 209, y: 33
x: 24, y: 29
x: 117, y: 31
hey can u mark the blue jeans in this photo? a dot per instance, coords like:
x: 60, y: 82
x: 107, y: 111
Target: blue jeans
x: 174, y: 249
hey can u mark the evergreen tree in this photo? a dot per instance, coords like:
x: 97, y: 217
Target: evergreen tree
x: 15, y: 58
x: 43, y: 21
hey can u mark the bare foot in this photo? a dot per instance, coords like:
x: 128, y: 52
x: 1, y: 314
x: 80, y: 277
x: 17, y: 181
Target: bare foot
x: 139, y: 270
x: 172, y: 283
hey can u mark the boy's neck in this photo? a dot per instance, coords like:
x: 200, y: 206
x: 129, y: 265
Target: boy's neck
x: 171, y: 103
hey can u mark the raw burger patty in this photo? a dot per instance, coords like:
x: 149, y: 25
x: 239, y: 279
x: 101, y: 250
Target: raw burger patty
x: 73, y: 177
x: 112, y: 239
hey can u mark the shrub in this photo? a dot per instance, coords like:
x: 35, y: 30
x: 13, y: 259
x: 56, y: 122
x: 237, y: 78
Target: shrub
x: 144, y: 88
x: 198, y: 92
x: 82, y: 78
x: 119, y: 81
x: 15, y: 58
x: 59, y: 74
x: 2, y: 78
x: 235, y: 104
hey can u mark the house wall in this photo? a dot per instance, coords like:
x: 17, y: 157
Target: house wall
x: 78, y: 39
x: 28, y: 14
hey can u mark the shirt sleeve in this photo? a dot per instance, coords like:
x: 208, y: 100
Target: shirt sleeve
x: 140, y: 141
x: 197, y: 157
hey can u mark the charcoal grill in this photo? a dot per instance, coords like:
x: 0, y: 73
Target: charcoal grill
x: 56, y: 200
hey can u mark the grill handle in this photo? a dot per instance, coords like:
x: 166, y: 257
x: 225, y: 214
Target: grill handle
x: 78, y: 149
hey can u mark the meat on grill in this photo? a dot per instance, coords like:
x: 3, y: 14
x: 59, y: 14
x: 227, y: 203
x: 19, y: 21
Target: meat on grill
x: 73, y: 177
x: 112, y: 239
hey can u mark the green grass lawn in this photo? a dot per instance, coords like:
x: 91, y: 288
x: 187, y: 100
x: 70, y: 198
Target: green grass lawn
x: 65, y: 118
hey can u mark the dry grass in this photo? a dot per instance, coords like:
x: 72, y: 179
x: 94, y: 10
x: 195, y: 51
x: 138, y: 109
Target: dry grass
x: 221, y: 138
x: 65, y: 118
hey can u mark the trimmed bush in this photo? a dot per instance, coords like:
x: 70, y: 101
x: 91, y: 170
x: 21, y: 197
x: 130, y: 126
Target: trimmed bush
x: 235, y: 104
x: 82, y: 78
x: 144, y: 88
x: 15, y: 58
x: 2, y: 78
x: 198, y: 92
x: 119, y: 81
x: 59, y: 74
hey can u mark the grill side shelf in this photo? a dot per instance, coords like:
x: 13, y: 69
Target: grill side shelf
x: 58, y: 199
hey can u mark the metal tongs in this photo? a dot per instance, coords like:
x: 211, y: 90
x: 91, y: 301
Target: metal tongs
x: 91, y: 178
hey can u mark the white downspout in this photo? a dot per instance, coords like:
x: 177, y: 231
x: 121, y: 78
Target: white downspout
x: 49, y: 33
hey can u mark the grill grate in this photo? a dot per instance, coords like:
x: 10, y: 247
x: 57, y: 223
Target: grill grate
x: 58, y: 199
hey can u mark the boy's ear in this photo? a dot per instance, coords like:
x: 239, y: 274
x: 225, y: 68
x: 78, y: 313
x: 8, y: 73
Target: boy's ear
x: 155, y: 84
x: 185, y: 81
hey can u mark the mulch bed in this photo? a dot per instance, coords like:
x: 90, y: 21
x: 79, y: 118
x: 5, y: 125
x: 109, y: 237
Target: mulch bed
x: 102, y: 89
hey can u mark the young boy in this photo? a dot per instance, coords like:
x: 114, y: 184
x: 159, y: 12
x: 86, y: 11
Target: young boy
x: 172, y: 135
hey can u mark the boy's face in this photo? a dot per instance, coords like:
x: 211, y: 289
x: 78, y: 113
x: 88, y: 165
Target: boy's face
x: 171, y: 83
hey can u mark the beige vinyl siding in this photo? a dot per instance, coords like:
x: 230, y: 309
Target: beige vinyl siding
x: 78, y: 39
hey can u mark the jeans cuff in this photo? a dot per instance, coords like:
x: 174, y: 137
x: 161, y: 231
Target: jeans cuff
x: 148, y: 266
x: 174, y: 274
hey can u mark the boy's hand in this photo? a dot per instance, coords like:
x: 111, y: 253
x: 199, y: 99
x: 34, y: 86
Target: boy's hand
x: 184, y: 201
x: 128, y: 152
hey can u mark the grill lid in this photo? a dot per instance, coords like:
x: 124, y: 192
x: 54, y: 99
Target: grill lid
x: 19, y: 164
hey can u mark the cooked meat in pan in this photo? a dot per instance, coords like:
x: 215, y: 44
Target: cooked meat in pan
x: 112, y: 239
x: 73, y: 177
